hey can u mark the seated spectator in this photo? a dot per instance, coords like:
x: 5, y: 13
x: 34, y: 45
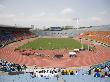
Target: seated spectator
x: 19, y: 68
x: 89, y: 72
x: 97, y: 74
x: 106, y: 69
x: 106, y: 74
x: 71, y: 73
x: 76, y: 73
x: 24, y: 67
x: 10, y: 67
x: 109, y: 74
x: 97, y: 70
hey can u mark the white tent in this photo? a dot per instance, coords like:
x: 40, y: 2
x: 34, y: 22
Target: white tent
x: 72, y: 53
x: 76, y: 50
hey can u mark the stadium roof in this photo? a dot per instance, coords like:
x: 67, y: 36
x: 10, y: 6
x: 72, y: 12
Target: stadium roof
x: 9, y: 26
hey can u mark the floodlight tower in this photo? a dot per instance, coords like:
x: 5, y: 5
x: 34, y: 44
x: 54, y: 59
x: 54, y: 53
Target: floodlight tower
x: 32, y: 26
x: 77, y: 22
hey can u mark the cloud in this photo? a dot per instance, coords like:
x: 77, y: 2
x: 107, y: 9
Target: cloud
x: 103, y: 12
x: 7, y: 16
x: 94, y: 20
x: 98, y: 19
x: 44, y: 18
x: 63, y: 17
x: 2, y: 6
x: 48, y: 19
x: 67, y: 11
x: 42, y: 14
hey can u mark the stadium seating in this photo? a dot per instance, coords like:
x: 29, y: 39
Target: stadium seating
x: 7, y: 37
x: 101, y: 70
x: 101, y: 36
x: 10, y: 67
x: 65, y: 78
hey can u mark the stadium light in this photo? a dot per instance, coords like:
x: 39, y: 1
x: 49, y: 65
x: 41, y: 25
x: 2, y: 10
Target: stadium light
x: 82, y: 47
x: 88, y: 47
x: 32, y: 26
x: 80, y: 37
x: 77, y: 22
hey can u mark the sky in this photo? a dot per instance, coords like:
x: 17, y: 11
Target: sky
x: 44, y: 13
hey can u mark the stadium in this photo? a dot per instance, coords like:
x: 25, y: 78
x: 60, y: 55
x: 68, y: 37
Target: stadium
x: 65, y: 52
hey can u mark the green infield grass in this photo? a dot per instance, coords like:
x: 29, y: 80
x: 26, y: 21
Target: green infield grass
x: 53, y: 43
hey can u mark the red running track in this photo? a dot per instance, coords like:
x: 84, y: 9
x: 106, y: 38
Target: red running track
x: 84, y: 58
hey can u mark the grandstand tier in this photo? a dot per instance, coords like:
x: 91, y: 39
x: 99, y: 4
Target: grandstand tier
x: 101, y: 36
x: 43, y: 63
x: 10, y: 34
